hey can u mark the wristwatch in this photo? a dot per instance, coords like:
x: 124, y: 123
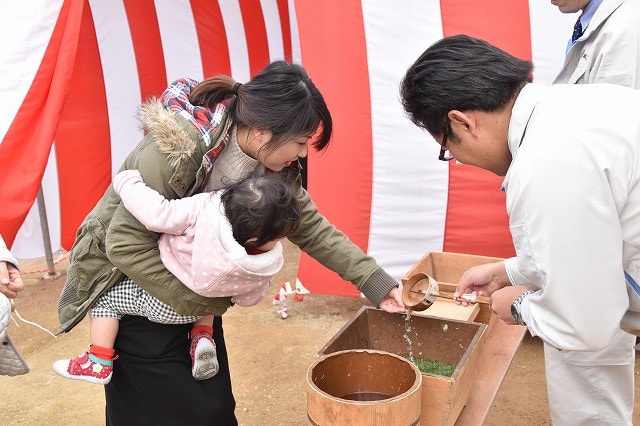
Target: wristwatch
x: 515, y: 308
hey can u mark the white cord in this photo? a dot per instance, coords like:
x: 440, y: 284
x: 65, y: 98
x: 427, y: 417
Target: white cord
x: 30, y: 323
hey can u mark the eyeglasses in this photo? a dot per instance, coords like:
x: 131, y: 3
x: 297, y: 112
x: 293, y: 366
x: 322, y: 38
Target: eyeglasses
x: 445, y: 155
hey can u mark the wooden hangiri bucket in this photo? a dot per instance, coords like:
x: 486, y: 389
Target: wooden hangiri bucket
x: 363, y: 387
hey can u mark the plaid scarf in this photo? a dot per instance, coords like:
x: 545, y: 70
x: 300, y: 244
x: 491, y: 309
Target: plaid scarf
x: 206, y: 121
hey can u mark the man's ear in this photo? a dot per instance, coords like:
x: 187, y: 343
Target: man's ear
x: 462, y: 122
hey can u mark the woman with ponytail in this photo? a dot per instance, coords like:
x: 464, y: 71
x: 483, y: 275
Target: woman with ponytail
x: 203, y: 136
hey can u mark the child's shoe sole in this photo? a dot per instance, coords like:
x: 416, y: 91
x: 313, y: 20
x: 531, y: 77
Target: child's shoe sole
x: 205, y: 360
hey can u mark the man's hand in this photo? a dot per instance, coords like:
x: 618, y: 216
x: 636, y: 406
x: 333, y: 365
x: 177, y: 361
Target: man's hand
x: 482, y: 280
x: 502, y: 300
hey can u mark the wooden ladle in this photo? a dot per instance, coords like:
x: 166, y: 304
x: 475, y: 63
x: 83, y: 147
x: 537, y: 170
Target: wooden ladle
x: 421, y: 290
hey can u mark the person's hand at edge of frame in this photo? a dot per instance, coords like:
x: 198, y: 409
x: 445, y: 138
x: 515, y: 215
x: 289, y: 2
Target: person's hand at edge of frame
x: 10, y: 280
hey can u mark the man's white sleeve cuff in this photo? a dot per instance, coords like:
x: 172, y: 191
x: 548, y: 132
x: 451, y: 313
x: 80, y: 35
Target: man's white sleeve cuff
x: 513, y: 273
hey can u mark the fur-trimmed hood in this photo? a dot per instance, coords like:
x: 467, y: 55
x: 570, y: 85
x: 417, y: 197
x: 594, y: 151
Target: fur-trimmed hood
x: 171, y: 137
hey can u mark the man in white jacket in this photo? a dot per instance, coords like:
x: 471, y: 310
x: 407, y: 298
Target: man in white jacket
x: 607, y: 51
x: 570, y: 155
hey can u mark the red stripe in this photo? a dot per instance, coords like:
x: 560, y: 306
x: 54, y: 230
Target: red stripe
x: 256, y: 34
x: 339, y: 179
x: 504, y: 24
x: 147, y: 45
x: 285, y: 25
x: 214, y: 49
x: 35, y: 123
x: 83, y: 144
x: 477, y: 221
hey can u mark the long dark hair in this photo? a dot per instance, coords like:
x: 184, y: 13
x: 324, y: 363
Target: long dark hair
x: 261, y: 206
x: 281, y: 99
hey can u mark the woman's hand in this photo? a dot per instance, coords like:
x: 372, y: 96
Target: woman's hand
x: 392, y: 302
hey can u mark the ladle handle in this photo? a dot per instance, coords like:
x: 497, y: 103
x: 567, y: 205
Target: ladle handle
x: 473, y: 298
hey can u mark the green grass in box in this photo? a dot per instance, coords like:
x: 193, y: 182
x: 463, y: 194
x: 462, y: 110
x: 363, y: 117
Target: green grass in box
x: 433, y: 367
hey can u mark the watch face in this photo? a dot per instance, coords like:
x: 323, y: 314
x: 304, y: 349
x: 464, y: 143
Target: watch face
x: 515, y: 315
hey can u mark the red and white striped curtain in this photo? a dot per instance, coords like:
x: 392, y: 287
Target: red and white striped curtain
x: 76, y: 70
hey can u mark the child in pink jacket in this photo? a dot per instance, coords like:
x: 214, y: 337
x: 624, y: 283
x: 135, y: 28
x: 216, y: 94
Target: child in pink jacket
x: 219, y: 244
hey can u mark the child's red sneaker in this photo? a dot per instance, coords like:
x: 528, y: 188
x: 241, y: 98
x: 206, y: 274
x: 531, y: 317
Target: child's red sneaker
x: 85, y: 367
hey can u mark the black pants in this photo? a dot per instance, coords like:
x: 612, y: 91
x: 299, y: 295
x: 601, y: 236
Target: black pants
x: 152, y: 382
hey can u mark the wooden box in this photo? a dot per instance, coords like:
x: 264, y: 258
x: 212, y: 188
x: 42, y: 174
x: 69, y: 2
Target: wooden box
x: 447, y: 268
x: 444, y: 340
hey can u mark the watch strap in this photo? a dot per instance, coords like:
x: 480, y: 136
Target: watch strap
x: 516, y: 312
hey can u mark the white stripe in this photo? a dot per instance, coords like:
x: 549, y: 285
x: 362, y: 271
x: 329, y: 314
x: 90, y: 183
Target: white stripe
x: 273, y: 28
x: 550, y: 31
x: 29, y: 242
x: 179, y: 37
x: 296, y: 56
x: 120, y: 77
x: 236, y: 39
x: 409, y: 184
x: 25, y: 28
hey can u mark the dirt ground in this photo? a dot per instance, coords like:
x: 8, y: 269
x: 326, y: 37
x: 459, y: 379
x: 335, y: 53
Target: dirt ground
x: 269, y: 360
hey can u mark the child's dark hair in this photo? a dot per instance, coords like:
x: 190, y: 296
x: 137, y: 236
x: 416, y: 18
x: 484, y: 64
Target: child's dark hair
x: 262, y: 207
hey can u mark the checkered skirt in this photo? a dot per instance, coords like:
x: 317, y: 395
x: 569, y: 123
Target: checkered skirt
x: 127, y: 298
